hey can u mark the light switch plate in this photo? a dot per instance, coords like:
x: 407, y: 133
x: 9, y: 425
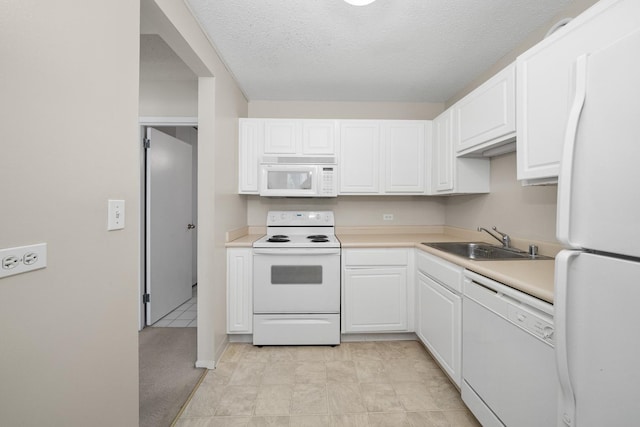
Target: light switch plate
x: 115, y: 215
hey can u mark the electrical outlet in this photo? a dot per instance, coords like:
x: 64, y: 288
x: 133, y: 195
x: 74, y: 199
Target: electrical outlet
x: 387, y: 217
x: 22, y: 259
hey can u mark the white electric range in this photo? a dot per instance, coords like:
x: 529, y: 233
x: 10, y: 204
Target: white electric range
x: 296, y: 280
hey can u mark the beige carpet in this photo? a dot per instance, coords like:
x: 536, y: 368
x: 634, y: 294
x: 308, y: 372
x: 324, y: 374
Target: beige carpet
x: 167, y: 373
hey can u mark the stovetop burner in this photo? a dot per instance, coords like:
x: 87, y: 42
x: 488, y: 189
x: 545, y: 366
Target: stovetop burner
x: 299, y: 229
x: 275, y: 239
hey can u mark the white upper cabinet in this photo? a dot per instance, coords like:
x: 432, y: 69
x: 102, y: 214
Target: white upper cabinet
x: 281, y: 136
x: 404, y: 146
x: 299, y: 137
x: 486, y: 118
x: 451, y: 174
x: 250, y: 149
x: 383, y: 156
x: 545, y: 83
x: 359, y: 157
x: 319, y: 137
x: 442, y: 154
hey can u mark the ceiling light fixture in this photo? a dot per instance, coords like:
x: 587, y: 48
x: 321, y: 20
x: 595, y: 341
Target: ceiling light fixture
x: 359, y: 2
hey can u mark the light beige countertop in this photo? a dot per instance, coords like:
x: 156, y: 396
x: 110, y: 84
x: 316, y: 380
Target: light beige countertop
x: 245, y: 241
x: 532, y: 277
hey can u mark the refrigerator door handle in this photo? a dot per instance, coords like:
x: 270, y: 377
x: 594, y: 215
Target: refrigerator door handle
x: 567, y: 407
x: 566, y: 164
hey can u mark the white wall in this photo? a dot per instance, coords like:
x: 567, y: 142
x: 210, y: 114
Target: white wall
x: 345, y: 110
x: 168, y: 98
x: 357, y: 210
x: 69, y: 108
x: 525, y: 212
x: 167, y: 86
x: 220, y: 103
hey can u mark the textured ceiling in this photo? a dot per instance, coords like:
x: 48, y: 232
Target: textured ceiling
x: 391, y: 50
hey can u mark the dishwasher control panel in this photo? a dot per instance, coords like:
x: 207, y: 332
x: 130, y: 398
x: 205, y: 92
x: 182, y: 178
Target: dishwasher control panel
x: 532, y: 322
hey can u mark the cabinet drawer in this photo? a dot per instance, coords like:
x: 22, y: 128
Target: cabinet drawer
x: 444, y: 272
x: 375, y: 257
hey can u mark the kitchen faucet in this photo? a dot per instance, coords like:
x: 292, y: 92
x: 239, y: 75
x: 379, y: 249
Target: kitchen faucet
x: 504, y: 238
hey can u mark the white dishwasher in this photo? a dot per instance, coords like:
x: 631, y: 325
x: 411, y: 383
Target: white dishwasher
x: 508, y: 365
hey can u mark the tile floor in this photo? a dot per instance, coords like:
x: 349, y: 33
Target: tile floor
x: 184, y: 316
x: 392, y: 383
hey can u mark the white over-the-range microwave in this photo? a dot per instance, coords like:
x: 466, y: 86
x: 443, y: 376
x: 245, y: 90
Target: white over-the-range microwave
x: 291, y: 176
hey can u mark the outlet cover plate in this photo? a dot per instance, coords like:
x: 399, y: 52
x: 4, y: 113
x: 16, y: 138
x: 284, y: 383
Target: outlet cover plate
x: 36, y: 256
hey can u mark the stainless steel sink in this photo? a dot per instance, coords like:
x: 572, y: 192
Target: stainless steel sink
x: 481, y: 251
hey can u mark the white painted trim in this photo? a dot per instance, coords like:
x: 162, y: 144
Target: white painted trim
x: 167, y: 121
x: 222, y: 347
x: 207, y: 364
x: 240, y: 338
x: 392, y: 336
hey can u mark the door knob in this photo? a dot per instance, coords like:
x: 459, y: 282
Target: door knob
x: 190, y: 226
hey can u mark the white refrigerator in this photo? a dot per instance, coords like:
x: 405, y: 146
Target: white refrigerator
x: 597, y: 282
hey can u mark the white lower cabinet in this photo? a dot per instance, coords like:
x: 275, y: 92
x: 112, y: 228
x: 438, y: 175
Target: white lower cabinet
x: 239, y: 290
x: 375, y: 290
x: 439, y: 311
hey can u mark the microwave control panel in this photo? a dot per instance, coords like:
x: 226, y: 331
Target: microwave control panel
x: 327, y: 182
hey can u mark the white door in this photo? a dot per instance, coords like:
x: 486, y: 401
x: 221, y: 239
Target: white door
x: 598, y: 197
x: 169, y: 227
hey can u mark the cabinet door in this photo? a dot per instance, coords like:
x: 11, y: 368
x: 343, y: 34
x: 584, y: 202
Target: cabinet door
x: 545, y: 80
x: 250, y: 137
x: 375, y: 300
x: 439, y: 324
x: 404, y: 146
x: 359, y: 157
x: 239, y: 290
x: 443, y: 159
x: 281, y: 136
x: 487, y: 115
x: 319, y: 137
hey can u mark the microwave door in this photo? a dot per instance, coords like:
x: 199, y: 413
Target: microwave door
x: 289, y: 181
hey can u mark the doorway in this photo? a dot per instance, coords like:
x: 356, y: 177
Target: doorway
x: 169, y: 259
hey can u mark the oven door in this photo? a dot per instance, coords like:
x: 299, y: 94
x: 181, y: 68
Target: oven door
x: 289, y: 180
x: 289, y: 280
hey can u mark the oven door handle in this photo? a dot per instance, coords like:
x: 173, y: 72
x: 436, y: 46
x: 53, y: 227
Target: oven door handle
x: 296, y: 251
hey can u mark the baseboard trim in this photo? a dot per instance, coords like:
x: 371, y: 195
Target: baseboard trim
x: 207, y: 364
x: 401, y: 336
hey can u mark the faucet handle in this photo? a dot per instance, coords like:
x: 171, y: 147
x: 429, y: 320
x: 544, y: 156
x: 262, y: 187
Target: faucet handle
x: 494, y: 228
x: 506, y: 240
